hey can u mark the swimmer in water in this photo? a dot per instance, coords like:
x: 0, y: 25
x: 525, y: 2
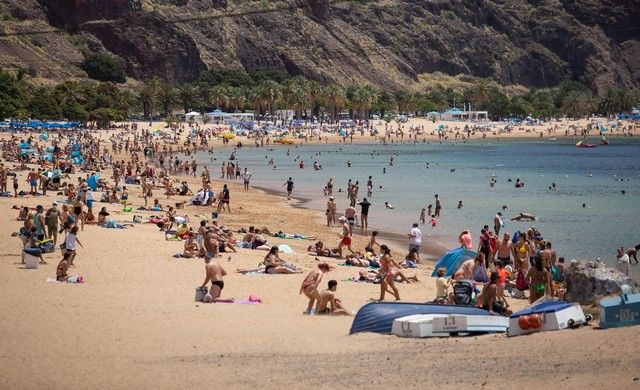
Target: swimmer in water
x: 524, y: 216
x: 388, y: 206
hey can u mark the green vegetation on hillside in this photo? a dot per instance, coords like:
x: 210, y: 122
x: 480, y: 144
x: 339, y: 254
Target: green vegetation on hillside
x: 265, y: 91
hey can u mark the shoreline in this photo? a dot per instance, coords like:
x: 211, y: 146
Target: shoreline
x: 398, y: 241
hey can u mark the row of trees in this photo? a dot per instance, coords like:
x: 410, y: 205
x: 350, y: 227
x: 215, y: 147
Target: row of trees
x: 266, y: 91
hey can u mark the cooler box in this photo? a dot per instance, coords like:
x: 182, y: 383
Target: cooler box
x: 623, y: 310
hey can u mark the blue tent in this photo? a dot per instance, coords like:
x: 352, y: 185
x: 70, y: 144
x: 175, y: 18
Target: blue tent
x: 452, y: 260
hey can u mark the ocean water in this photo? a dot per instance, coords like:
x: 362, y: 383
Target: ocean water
x: 462, y: 171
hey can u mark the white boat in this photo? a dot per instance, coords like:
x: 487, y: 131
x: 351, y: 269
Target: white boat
x: 546, y: 316
x: 446, y: 325
x: 416, y: 325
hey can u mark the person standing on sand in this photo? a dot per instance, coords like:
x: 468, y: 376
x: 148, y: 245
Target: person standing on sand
x: 246, y: 177
x: 331, y: 212
x: 622, y: 262
x: 224, y: 199
x: 388, y: 268
x: 505, y: 247
x: 350, y: 214
x: 415, y: 239
x: 214, y: 273
x: 346, y: 236
x: 289, y: 184
x: 438, y: 205
x: 497, y: 223
x: 364, y: 214
x: 539, y: 280
x: 329, y: 304
x: 310, y: 285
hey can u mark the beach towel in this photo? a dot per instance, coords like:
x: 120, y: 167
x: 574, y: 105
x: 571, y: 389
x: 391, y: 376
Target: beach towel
x: 75, y: 279
x: 242, y: 302
x: 284, y: 248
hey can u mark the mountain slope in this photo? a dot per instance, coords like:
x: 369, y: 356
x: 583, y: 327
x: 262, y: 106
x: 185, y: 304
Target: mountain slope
x: 387, y: 43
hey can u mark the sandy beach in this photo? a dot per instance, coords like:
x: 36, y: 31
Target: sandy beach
x: 134, y: 322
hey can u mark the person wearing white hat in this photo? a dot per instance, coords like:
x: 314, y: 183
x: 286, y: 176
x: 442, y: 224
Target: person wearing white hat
x: 346, y: 236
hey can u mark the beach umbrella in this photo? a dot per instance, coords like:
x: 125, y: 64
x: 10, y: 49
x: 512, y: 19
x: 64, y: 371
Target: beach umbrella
x: 452, y: 260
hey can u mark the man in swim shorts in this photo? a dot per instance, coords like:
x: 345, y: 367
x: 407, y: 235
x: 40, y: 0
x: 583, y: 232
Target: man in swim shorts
x: 346, y: 236
x: 350, y: 214
x: 214, y: 273
x: 329, y: 304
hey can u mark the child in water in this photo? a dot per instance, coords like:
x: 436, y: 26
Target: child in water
x: 434, y: 221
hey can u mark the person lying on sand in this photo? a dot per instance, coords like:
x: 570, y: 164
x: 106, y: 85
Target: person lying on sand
x: 310, y: 285
x: 524, y: 216
x: 320, y: 250
x: 214, y: 273
x: 328, y: 304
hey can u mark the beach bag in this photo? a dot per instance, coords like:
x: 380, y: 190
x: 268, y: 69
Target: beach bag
x: 200, y: 293
x: 137, y: 219
x: 521, y: 282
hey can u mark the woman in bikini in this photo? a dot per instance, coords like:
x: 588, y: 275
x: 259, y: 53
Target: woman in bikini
x: 539, y: 280
x: 273, y: 264
x: 310, y: 285
x: 389, y: 268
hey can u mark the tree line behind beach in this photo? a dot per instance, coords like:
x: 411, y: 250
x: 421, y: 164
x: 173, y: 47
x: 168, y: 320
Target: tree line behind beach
x: 265, y: 91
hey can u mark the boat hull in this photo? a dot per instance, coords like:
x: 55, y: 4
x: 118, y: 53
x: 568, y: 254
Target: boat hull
x: 553, y: 315
x: 446, y: 325
x: 378, y: 317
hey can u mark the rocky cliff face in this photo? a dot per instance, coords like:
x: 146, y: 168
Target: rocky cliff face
x: 387, y: 43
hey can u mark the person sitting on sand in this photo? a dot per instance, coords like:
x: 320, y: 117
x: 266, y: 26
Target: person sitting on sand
x: 372, y: 243
x: 214, y: 273
x: 492, y: 299
x: 23, y: 215
x: 310, y: 285
x: 102, y: 216
x: 388, y: 268
x: 191, y: 249
x: 275, y: 265
x: 63, y: 267
x: 467, y: 268
x: 524, y: 216
x: 329, y: 304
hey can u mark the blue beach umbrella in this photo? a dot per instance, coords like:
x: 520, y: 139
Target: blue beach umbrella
x: 452, y: 260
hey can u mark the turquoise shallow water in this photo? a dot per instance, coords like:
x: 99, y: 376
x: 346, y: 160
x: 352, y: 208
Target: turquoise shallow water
x: 594, y: 177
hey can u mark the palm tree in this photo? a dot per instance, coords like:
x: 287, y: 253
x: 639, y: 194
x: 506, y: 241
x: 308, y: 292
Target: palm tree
x: 270, y: 94
x: 219, y: 95
x: 148, y: 96
x: 188, y: 96
x: 237, y: 98
x: 297, y: 98
x: 167, y: 98
x: 335, y: 98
